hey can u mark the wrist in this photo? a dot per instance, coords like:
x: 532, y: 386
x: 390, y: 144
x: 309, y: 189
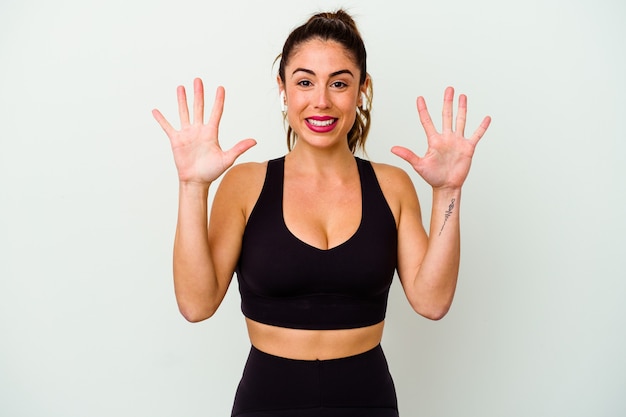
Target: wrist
x: 193, y: 188
x: 445, y: 210
x: 446, y: 192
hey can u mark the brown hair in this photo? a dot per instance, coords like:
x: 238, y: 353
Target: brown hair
x: 338, y: 27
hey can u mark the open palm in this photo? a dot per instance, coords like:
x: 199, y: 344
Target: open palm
x: 448, y: 158
x: 197, y: 152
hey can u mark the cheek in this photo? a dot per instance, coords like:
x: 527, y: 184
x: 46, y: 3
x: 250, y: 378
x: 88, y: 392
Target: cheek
x: 350, y: 106
x: 293, y: 118
x: 351, y: 102
x: 295, y: 102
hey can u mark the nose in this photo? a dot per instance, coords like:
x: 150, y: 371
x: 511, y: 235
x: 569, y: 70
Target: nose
x: 322, y: 98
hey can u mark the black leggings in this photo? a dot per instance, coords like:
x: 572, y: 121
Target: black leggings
x: 356, y: 386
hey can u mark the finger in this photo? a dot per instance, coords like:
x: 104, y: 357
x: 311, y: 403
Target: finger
x: 425, y: 119
x: 165, y: 125
x: 461, y: 115
x: 198, y: 101
x: 406, y: 154
x: 478, y: 134
x: 239, y: 148
x: 183, y: 111
x: 218, y: 108
x: 448, y: 97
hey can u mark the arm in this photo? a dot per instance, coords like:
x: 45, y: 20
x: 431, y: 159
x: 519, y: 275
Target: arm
x: 428, y: 265
x: 200, y: 278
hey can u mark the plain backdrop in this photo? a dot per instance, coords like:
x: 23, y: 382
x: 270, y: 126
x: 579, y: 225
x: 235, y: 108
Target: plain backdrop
x: 88, y: 197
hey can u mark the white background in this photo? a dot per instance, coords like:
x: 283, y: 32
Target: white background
x: 88, y: 192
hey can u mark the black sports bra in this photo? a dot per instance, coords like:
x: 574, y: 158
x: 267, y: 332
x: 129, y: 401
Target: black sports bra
x: 286, y: 282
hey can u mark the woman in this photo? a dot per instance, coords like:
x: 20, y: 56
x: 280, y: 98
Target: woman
x: 316, y: 236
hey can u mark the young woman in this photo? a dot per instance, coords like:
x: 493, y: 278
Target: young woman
x: 316, y: 236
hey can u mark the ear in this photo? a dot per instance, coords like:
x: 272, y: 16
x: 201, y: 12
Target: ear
x: 363, y: 98
x: 281, y: 85
x: 281, y: 94
x: 365, y: 84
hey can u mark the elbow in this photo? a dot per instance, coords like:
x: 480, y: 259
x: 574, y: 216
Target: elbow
x: 433, y: 305
x: 434, y: 314
x: 192, y: 318
x: 194, y: 314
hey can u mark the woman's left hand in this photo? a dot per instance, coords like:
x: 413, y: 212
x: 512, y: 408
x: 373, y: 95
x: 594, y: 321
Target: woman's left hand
x: 447, y: 161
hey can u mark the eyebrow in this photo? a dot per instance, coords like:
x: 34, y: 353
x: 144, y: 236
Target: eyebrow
x: 332, y: 74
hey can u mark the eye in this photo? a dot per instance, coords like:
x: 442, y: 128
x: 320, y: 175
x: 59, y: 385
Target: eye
x: 305, y: 83
x: 339, y: 84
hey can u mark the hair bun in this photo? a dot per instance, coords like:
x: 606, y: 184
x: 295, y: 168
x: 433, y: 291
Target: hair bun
x: 339, y: 15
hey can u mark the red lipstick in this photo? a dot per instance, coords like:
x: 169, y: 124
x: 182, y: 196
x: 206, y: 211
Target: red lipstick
x: 321, y: 124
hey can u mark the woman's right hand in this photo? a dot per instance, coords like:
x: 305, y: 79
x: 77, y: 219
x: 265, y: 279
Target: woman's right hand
x: 197, y: 153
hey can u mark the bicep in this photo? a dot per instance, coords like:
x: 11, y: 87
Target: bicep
x: 402, y: 198
x: 412, y: 237
x: 232, y: 203
x: 225, y: 234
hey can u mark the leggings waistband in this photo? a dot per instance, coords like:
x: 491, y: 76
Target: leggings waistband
x: 271, y: 383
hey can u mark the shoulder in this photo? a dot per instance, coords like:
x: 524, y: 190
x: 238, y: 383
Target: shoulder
x: 241, y: 186
x: 244, y: 173
x: 397, y: 187
x: 392, y: 178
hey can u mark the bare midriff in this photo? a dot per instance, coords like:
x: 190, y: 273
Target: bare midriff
x: 313, y: 344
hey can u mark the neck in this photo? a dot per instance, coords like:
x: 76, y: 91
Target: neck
x: 321, y: 162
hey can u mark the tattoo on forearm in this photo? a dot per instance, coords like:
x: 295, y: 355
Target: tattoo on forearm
x: 447, y: 214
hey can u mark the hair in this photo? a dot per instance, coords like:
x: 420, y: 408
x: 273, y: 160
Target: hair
x: 338, y: 27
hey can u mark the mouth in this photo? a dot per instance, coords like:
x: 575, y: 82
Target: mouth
x: 321, y: 124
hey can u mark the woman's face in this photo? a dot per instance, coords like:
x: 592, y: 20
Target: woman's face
x: 322, y: 92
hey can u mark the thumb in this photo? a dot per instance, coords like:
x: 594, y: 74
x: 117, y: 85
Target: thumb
x: 406, y: 154
x: 239, y: 148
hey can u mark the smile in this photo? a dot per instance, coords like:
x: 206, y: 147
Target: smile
x: 321, y: 123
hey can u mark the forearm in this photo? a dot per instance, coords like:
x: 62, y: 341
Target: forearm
x: 436, y: 278
x: 195, y: 282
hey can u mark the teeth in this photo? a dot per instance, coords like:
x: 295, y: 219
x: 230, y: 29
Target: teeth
x: 321, y: 123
